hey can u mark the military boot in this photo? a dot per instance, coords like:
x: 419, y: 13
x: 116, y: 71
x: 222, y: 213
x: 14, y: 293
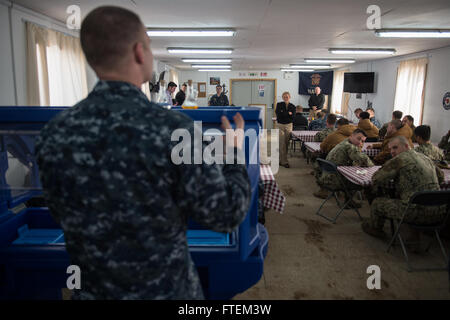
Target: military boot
x: 375, y: 232
x: 322, y: 194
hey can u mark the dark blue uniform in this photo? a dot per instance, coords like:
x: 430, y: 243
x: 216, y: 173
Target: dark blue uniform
x: 108, y: 178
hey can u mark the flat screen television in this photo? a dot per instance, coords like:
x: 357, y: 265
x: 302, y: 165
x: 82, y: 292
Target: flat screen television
x: 359, y: 82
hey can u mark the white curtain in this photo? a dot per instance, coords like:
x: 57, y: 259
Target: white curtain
x: 411, y: 76
x: 56, y: 68
x: 339, y: 100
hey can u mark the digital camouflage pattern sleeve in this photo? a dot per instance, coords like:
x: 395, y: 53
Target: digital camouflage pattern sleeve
x: 109, y: 180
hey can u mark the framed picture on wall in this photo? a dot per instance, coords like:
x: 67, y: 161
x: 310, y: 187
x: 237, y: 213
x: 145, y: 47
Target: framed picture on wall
x: 214, y: 81
x: 201, y: 87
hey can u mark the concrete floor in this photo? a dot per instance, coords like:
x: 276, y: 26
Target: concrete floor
x: 311, y: 258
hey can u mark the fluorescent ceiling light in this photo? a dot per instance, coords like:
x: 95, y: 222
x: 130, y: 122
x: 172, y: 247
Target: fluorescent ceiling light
x: 190, y: 32
x: 299, y: 66
x: 292, y: 69
x: 205, y: 66
x: 206, y: 60
x: 214, y: 70
x: 413, y: 33
x: 200, y: 50
x: 361, y: 51
x: 325, y: 60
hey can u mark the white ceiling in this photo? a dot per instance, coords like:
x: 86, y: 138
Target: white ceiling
x: 275, y: 33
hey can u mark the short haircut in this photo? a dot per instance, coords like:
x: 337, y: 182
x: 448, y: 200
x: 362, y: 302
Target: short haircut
x: 358, y: 110
x: 331, y: 119
x: 410, y: 118
x: 360, y: 131
x: 396, y: 123
x: 397, y: 114
x: 286, y: 92
x: 107, y: 34
x: 299, y: 108
x: 184, y: 85
x: 172, y: 84
x: 401, y: 139
x: 371, y: 109
x: 219, y: 86
x: 364, y: 115
x: 423, y: 131
x: 342, y: 122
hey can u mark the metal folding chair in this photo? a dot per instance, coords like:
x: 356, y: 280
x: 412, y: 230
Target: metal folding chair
x: 330, y: 167
x: 430, y: 199
x: 295, y: 139
x: 292, y: 144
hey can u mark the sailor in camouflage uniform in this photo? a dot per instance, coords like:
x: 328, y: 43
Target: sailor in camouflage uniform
x: 444, y: 144
x: 423, y: 134
x: 411, y: 172
x: 321, y: 135
x: 219, y: 99
x: 346, y: 153
x: 108, y: 178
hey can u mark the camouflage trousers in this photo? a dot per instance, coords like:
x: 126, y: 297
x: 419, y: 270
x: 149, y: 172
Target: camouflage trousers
x: 387, y: 208
x: 333, y: 181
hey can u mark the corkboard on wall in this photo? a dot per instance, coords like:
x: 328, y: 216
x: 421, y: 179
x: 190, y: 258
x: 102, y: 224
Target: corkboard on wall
x: 201, y: 87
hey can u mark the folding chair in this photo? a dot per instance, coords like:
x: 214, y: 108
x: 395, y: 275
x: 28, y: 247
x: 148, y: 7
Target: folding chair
x: 429, y: 199
x: 293, y: 141
x: 330, y: 167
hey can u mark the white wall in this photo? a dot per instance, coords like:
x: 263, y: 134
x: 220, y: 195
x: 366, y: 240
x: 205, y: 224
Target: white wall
x: 13, y: 44
x: 282, y: 84
x: 7, y: 88
x: 437, y: 84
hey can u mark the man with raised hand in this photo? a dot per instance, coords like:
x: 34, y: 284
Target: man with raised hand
x: 109, y: 179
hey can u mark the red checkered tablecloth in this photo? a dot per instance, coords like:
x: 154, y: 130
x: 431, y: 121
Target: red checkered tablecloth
x: 273, y: 197
x: 358, y: 175
x: 370, y: 152
x: 363, y: 175
x: 314, y: 147
x: 305, y: 136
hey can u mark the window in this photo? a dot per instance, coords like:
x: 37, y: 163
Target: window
x: 56, y: 68
x: 339, y: 99
x: 409, y: 91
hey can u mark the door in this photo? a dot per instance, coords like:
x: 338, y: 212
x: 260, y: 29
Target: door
x: 255, y: 91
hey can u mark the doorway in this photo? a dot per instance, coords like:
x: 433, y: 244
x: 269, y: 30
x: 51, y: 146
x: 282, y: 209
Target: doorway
x: 245, y: 92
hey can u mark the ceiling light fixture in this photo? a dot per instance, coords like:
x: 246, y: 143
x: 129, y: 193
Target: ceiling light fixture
x: 413, y: 33
x: 214, y: 70
x: 190, y: 32
x: 361, y: 51
x: 292, y: 69
x: 206, y: 66
x: 325, y: 60
x: 206, y: 60
x: 200, y: 50
x: 300, y: 66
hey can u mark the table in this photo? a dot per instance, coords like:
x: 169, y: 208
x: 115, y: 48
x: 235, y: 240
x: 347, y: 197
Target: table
x: 365, y: 179
x: 304, y: 135
x: 314, y: 147
x: 273, y: 197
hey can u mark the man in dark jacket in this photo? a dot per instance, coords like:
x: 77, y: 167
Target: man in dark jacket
x: 181, y: 95
x: 316, y: 100
x: 300, y: 122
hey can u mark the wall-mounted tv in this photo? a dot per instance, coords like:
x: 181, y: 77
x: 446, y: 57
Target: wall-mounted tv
x: 359, y: 82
